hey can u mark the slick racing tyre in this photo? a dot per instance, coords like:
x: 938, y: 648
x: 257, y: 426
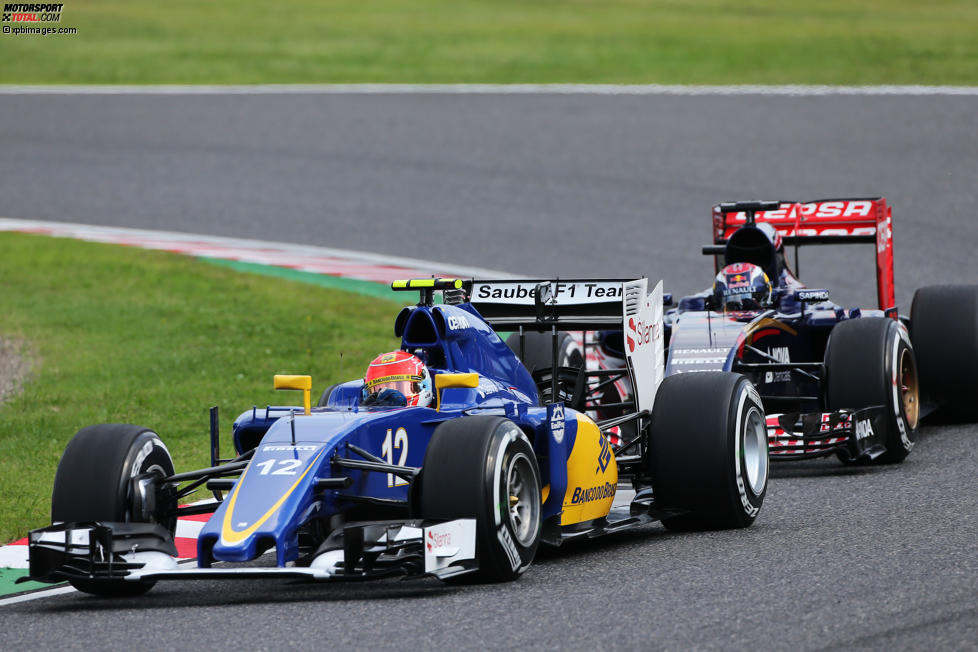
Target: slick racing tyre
x: 538, y: 360
x: 707, y: 453
x: 869, y: 361
x: 538, y: 350
x: 944, y: 332
x: 483, y: 467
x: 93, y: 483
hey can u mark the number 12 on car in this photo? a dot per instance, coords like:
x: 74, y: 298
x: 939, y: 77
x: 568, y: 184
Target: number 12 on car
x: 395, y: 439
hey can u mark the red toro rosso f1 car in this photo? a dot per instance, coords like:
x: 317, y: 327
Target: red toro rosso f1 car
x: 851, y: 382
x: 447, y: 458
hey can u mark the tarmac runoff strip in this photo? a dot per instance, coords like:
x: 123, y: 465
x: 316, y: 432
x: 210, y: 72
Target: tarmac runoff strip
x: 352, y: 271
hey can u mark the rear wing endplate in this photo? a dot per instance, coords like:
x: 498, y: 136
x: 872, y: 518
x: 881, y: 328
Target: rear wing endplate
x: 823, y: 221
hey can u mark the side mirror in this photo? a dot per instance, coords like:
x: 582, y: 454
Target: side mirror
x: 283, y: 381
x: 444, y: 381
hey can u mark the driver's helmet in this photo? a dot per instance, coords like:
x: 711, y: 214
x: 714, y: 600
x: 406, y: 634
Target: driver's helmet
x: 397, y: 372
x: 741, y: 286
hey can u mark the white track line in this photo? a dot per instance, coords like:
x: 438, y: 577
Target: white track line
x: 37, y: 595
x: 47, y: 593
x: 798, y: 90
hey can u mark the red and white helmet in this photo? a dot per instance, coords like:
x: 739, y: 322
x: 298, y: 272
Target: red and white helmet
x: 401, y: 372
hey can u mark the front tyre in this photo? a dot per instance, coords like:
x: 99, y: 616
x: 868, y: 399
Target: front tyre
x: 483, y: 467
x: 707, y: 452
x: 869, y: 361
x: 94, y: 483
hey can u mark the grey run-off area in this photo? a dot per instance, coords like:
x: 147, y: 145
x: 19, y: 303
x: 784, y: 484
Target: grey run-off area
x: 568, y: 185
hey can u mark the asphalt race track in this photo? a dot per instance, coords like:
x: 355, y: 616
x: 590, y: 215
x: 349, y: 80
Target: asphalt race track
x: 568, y: 185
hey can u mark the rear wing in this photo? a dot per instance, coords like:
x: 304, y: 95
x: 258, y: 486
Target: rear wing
x: 823, y: 221
x: 541, y: 304
x: 585, y: 304
x: 517, y: 305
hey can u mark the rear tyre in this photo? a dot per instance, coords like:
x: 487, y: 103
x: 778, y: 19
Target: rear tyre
x: 944, y: 331
x: 708, y: 451
x: 93, y: 483
x: 538, y: 350
x: 483, y: 467
x: 869, y: 361
x: 538, y: 360
x: 324, y: 398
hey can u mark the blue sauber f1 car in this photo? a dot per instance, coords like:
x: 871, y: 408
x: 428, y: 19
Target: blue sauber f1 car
x: 365, y: 485
x: 854, y: 383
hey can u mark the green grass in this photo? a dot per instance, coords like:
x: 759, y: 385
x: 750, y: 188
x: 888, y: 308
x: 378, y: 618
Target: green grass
x: 504, y: 41
x: 8, y: 582
x: 130, y: 336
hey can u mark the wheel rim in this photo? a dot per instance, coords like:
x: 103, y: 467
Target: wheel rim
x: 909, y: 389
x: 522, y: 499
x: 754, y: 447
x: 134, y: 503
